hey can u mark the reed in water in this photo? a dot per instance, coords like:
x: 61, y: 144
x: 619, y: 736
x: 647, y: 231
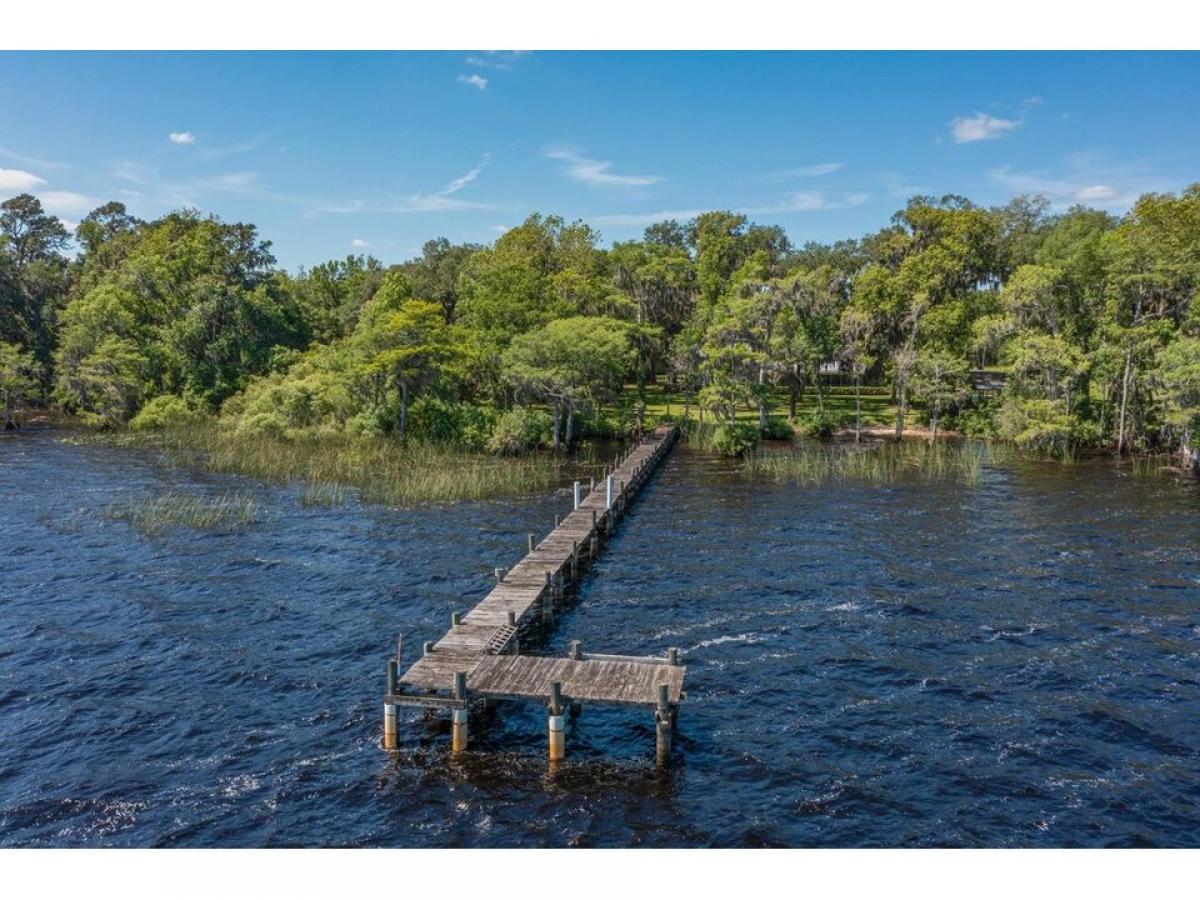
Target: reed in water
x: 877, y: 463
x: 154, y: 514
x: 381, y: 469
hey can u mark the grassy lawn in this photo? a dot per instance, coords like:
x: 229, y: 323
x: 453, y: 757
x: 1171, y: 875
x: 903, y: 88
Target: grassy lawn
x: 877, y: 409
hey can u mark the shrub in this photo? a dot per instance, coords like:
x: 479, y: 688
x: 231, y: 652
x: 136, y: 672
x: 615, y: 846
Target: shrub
x: 736, y: 438
x: 520, y: 430
x: 432, y: 420
x: 165, y: 411
x: 820, y: 424
x: 263, y: 423
x: 778, y: 429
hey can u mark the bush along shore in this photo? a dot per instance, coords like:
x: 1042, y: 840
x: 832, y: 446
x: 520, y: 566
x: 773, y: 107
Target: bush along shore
x: 451, y: 374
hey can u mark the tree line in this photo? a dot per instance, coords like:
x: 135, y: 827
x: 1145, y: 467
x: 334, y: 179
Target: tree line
x: 1089, y: 321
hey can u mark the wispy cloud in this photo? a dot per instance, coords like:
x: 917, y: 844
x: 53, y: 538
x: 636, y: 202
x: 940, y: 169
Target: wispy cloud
x: 981, y: 127
x: 245, y: 146
x: 151, y: 187
x: 476, y: 81
x: 647, y: 218
x: 181, y: 137
x: 800, y: 201
x: 595, y: 172
x: 815, y: 170
x: 811, y: 201
x: 435, y: 201
x: 67, y: 202
x: 359, y: 243
x: 1088, y: 180
x: 463, y: 180
x: 31, y: 160
x: 19, y: 180
x: 495, y: 59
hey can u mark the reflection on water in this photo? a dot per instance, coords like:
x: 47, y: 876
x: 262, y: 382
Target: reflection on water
x: 1009, y: 663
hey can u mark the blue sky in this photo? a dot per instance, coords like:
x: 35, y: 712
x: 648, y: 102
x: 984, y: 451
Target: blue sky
x: 334, y: 153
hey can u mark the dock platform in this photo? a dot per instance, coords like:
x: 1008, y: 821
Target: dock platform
x: 479, y: 658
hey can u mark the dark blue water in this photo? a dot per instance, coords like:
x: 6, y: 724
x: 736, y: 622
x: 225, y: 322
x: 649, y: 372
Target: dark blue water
x: 1015, y: 663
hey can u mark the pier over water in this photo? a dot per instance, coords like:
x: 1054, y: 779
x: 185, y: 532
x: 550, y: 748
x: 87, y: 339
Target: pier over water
x: 480, y: 657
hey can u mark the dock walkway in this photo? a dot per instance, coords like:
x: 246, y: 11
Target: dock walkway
x: 479, y: 657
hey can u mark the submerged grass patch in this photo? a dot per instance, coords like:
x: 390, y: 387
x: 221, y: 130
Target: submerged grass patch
x: 875, y: 463
x: 381, y: 470
x: 153, y: 515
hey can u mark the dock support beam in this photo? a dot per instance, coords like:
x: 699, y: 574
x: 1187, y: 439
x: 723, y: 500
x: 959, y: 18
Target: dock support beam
x: 389, y: 709
x: 662, y: 727
x: 558, y: 725
x: 460, y: 734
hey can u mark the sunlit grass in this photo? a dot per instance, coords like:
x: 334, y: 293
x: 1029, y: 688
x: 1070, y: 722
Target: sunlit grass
x: 154, y: 514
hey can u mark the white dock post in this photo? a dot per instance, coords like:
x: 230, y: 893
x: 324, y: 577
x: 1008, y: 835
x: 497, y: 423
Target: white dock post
x: 557, y: 724
x: 459, y: 736
x: 389, y: 709
x: 577, y: 486
x: 608, y: 486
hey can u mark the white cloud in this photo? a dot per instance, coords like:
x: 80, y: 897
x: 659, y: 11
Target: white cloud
x: 816, y: 170
x: 811, y: 201
x: 495, y: 59
x: 65, y: 202
x: 31, y: 160
x: 18, y: 180
x: 595, y: 172
x: 1082, y: 186
x: 981, y: 127
x: 801, y: 201
x: 360, y: 243
x: 68, y: 224
x: 437, y: 201
x: 461, y: 182
x: 1095, y: 193
x: 181, y: 137
x: 477, y: 81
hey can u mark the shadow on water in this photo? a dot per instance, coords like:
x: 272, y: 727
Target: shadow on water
x: 1010, y: 662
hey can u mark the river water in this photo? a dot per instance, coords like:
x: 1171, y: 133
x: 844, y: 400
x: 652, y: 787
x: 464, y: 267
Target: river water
x: 1014, y: 663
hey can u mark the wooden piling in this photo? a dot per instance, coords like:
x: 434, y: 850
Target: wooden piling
x: 557, y: 725
x: 459, y: 736
x: 389, y: 709
x: 662, y: 727
x: 532, y: 543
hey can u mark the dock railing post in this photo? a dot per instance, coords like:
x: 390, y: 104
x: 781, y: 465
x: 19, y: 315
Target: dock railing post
x: 389, y: 709
x: 608, y: 492
x: 662, y: 726
x: 557, y: 729
x: 577, y: 486
x: 531, y: 541
x: 459, y: 728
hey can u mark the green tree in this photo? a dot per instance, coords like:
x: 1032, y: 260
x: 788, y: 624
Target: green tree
x: 942, y: 381
x: 569, y: 364
x: 18, y: 380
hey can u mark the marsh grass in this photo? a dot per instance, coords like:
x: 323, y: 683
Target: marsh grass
x: 330, y: 463
x: 154, y: 514
x: 876, y: 463
x: 1153, y: 465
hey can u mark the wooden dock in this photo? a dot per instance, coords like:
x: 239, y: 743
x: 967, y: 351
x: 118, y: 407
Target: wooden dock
x: 479, y: 658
